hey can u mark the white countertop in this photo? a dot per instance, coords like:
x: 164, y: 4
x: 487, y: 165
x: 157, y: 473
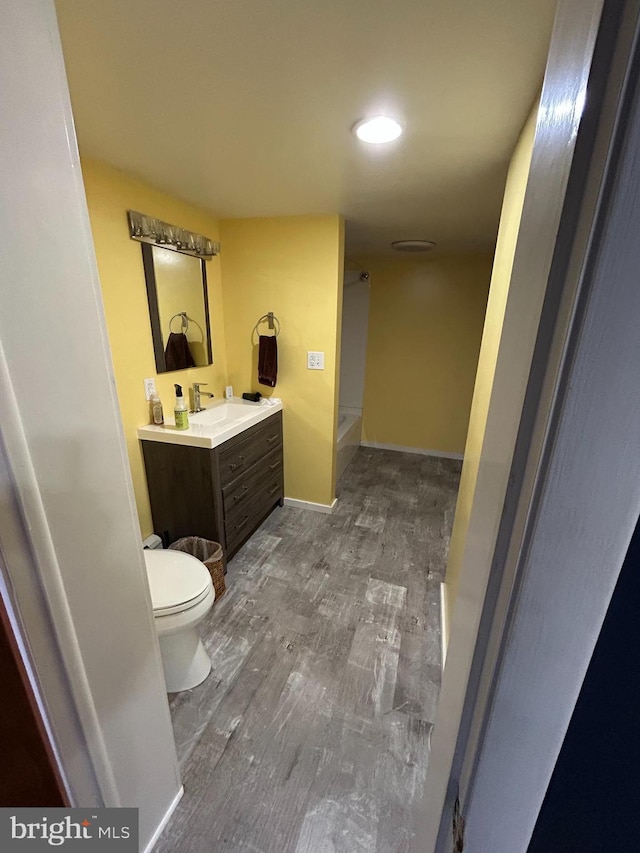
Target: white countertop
x: 216, y: 424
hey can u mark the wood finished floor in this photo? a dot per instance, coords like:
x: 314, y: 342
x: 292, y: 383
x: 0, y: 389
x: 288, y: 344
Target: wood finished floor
x: 311, y: 735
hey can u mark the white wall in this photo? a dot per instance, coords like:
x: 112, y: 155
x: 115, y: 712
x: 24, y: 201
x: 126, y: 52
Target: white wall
x: 67, y: 476
x: 353, y: 349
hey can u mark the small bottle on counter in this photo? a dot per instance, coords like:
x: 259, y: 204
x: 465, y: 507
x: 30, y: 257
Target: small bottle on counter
x: 180, y: 411
x: 157, y: 415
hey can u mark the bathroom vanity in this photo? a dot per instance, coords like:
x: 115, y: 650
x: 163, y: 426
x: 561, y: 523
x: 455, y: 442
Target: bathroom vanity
x: 220, y: 478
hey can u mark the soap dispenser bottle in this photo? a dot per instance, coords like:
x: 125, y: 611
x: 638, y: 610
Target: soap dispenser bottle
x: 180, y: 411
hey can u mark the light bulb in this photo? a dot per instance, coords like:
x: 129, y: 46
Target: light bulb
x: 377, y: 130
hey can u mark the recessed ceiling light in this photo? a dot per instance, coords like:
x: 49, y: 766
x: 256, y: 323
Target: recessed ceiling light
x: 377, y: 130
x: 413, y: 245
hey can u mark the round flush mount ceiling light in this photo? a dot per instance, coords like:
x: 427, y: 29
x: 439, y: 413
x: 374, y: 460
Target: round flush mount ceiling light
x: 413, y: 245
x: 377, y: 130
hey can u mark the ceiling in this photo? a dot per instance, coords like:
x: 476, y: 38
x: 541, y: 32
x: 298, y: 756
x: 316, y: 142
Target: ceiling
x: 245, y: 107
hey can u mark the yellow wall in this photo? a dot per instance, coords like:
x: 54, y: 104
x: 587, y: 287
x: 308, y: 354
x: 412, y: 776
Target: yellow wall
x: 498, y: 293
x: 293, y: 267
x: 110, y: 193
x: 425, y: 325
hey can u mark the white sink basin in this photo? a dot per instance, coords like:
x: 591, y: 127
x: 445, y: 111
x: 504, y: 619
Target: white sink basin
x: 224, y: 412
x: 214, y: 425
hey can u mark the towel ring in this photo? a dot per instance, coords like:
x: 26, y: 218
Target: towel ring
x: 184, y: 325
x: 272, y: 320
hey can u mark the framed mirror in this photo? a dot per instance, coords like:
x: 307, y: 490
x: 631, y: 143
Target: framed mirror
x: 178, y: 308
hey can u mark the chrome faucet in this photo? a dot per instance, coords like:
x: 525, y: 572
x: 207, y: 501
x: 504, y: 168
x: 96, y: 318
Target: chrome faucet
x: 196, y: 393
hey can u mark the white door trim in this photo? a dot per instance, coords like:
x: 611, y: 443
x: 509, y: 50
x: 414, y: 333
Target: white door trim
x: 587, y: 500
x: 502, y: 806
x: 70, y: 551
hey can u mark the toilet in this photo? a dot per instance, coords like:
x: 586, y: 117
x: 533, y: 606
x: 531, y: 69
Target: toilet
x: 182, y: 594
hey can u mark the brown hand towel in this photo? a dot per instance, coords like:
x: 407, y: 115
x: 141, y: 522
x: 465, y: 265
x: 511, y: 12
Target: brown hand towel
x: 268, y: 360
x: 177, y: 354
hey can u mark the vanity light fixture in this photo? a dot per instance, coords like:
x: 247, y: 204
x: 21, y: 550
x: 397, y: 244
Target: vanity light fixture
x: 413, y: 245
x: 148, y: 229
x: 377, y: 130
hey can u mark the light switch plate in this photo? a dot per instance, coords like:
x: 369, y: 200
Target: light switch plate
x: 315, y: 360
x: 149, y: 388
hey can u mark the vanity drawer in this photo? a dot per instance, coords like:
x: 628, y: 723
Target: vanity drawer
x: 239, y: 492
x: 246, y: 518
x: 240, y: 454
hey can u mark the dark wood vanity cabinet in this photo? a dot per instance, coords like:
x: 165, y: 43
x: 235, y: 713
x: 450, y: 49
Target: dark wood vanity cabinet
x: 222, y: 494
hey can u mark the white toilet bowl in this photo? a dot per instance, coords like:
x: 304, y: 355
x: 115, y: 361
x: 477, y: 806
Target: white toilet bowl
x: 182, y: 594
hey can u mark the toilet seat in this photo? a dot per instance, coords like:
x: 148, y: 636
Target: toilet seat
x: 180, y: 608
x: 177, y: 581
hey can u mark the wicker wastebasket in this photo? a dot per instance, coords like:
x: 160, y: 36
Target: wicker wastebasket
x: 208, y: 552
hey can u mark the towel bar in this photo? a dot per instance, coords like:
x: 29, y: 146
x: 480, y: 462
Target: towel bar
x: 272, y: 320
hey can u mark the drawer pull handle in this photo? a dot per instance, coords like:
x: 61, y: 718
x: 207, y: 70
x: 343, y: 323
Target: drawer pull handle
x: 241, y: 522
x: 271, y: 439
x: 241, y: 494
x: 274, y: 489
x: 235, y: 465
x: 274, y: 466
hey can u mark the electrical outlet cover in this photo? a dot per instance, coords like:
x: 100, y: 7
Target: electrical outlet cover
x: 149, y: 388
x: 315, y: 360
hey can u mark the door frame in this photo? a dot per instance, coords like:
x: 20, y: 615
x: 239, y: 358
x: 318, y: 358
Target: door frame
x: 32, y: 773
x: 71, y: 562
x: 498, y: 650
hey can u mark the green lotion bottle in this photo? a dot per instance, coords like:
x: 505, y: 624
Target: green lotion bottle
x: 180, y: 411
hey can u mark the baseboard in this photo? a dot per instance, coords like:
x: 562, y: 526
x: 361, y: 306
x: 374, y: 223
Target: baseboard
x: 326, y: 508
x: 439, y: 453
x: 165, y: 820
x: 444, y: 622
